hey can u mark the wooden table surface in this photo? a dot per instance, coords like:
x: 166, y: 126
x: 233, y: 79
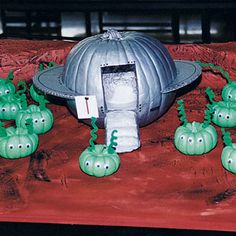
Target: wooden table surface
x: 156, y: 186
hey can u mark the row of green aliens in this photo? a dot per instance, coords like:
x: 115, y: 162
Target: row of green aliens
x: 21, y: 139
x: 195, y: 138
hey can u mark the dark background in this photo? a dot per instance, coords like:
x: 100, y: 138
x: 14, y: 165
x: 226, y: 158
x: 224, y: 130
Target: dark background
x: 74, y: 230
x: 171, y: 21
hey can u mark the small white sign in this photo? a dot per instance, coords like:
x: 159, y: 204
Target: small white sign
x: 86, y: 107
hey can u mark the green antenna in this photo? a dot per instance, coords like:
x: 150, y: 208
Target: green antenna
x: 210, y: 95
x: 113, y: 143
x: 23, y: 101
x: 182, y: 112
x: 51, y: 64
x: 10, y: 77
x: 207, y: 119
x: 93, y: 134
x: 217, y: 68
x: 41, y: 67
x: 29, y: 125
x: 24, y: 87
x: 226, y: 137
x: 42, y: 102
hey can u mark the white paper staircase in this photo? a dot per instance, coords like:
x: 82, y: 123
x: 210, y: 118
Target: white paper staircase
x: 125, y: 122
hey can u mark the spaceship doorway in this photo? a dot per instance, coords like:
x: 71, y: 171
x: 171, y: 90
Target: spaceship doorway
x: 120, y: 87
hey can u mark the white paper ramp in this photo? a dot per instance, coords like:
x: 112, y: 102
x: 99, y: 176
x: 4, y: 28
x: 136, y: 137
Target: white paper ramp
x: 125, y: 123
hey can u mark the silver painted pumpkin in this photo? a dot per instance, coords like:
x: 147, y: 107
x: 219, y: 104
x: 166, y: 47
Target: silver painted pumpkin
x: 155, y: 69
x: 126, y: 71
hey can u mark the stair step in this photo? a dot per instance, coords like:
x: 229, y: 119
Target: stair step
x: 127, y: 144
x: 125, y: 122
x: 124, y: 132
x: 121, y: 118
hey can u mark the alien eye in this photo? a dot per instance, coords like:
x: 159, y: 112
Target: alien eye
x: 3, y: 109
x: 35, y: 120
x: 106, y: 166
x: 7, y: 91
x: 20, y: 145
x: 230, y: 161
x: 220, y: 115
x: 190, y: 140
x: 43, y: 120
x: 11, y: 146
x: 227, y: 117
x: 28, y: 145
x: 181, y: 137
x: 13, y: 109
x: 98, y: 165
x: 200, y: 140
x: 229, y: 96
x: 87, y: 163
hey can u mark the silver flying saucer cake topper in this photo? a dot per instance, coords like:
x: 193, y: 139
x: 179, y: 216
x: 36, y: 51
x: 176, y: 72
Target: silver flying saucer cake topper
x: 126, y: 71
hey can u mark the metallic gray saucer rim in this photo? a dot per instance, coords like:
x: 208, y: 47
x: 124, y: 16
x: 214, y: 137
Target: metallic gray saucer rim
x: 50, y: 81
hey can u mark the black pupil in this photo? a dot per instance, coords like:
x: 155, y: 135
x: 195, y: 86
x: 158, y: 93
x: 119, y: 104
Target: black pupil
x: 7, y: 91
x: 27, y: 145
x: 229, y: 161
x: 43, y: 120
x: 36, y: 121
x: 200, y: 140
x: 87, y: 164
x: 219, y: 115
x: 11, y: 147
x: 98, y: 165
x: 190, y: 140
x: 20, y: 146
x: 3, y: 109
x: 227, y: 117
x: 107, y: 167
